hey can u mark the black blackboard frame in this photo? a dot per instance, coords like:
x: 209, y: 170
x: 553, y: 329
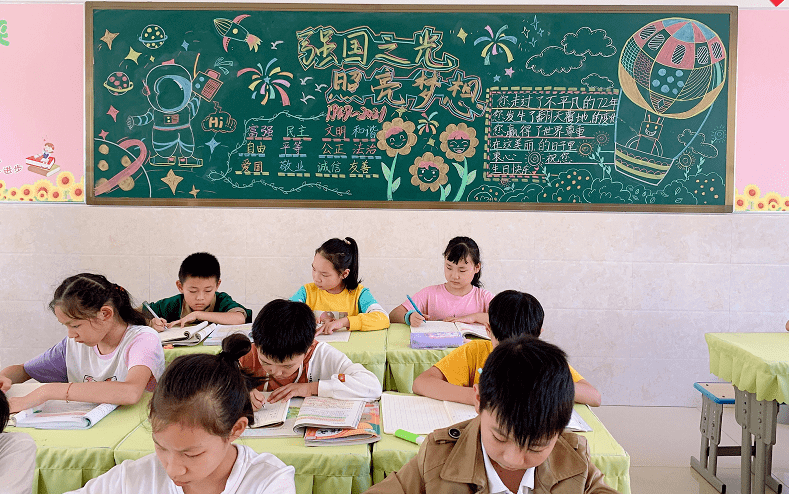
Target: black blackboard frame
x: 731, y: 79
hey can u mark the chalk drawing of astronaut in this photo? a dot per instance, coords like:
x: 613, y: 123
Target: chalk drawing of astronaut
x: 169, y: 91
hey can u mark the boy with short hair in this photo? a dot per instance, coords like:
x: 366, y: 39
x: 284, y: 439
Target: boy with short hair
x: 516, y: 444
x: 285, y: 350
x: 512, y: 313
x: 199, y: 300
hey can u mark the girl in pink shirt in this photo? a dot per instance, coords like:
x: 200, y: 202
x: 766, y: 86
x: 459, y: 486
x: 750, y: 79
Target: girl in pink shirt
x: 461, y: 298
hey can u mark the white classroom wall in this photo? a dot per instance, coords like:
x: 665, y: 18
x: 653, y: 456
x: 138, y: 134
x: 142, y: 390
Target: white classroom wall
x: 629, y: 296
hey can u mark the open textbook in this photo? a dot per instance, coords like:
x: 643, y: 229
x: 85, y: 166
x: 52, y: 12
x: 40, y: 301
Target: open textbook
x: 186, y: 336
x: 57, y: 414
x: 464, y: 328
x: 422, y: 415
x: 222, y: 331
x: 276, y: 419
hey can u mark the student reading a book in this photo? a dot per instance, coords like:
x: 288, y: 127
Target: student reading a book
x: 512, y: 313
x: 461, y: 298
x: 335, y: 287
x: 296, y: 364
x: 109, y: 355
x: 517, y: 443
x: 17, y: 456
x: 199, y: 300
x: 198, y: 409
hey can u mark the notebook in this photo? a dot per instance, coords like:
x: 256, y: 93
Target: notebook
x: 465, y: 329
x: 57, y: 414
x: 423, y: 415
x: 222, y: 331
x: 186, y: 336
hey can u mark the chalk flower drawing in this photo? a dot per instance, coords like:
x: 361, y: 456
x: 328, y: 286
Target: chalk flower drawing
x: 429, y: 172
x: 459, y: 141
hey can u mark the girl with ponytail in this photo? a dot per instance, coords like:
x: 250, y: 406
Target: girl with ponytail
x: 335, y: 295
x: 199, y: 408
x: 108, y: 356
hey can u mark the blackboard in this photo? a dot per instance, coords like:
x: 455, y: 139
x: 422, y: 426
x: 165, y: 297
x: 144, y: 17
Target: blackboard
x: 510, y: 107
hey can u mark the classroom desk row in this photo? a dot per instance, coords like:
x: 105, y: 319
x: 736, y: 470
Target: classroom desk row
x: 68, y: 459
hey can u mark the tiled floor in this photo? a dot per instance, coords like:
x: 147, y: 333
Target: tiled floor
x: 661, y: 440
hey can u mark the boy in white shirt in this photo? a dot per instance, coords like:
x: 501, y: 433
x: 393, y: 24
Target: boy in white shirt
x: 293, y: 363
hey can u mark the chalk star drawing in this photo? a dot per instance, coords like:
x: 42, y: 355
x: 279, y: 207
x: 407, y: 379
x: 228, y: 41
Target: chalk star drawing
x: 496, y: 78
x: 509, y: 71
x: 152, y: 59
x: 113, y: 112
x: 185, y: 45
x: 535, y: 22
x: 540, y: 31
x: 462, y: 34
x: 193, y: 191
x: 109, y: 37
x: 172, y: 180
x: 213, y: 143
x: 133, y: 56
x: 400, y: 111
x: 525, y: 32
x: 431, y: 142
x: 103, y: 134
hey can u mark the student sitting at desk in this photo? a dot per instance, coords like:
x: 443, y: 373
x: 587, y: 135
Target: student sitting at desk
x: 517, y: 443
x: 17, y: 456
x: 199, y: 409
x: 294, y: 363
x: 336, y: 287
x: 109, y: 356
x: 512, y: 313
x: 198, y: 282
x: 461, y: 298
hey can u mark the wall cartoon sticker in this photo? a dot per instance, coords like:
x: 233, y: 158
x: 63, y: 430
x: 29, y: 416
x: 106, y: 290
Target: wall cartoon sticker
x: 173, y: 105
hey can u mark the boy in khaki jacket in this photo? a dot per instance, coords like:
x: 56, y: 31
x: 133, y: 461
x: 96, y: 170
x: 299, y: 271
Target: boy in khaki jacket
x: 516, y: 444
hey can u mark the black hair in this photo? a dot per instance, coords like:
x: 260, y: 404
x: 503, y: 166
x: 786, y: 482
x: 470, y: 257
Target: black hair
x: 207, y: 391
x: 82, y: 296
x: 513, y: 313
x: 462, y: 248
x: 5, y: 411
x: 284, y: 329
x: 199, y: 265
x: 527, y: 383
x: 343, y: 254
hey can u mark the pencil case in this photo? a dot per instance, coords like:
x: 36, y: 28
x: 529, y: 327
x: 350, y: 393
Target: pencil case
x: 436, y: 340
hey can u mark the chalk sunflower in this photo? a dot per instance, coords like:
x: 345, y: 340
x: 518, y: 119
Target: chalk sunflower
x: 459, y: 141
x: 396, y: 137
x: 429, y: 172
x: 66, y: 181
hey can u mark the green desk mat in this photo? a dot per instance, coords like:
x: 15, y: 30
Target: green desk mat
x: 66, y: 459
x: 364, y: 347
x: 404, y: 363
x: 391, y: 453
x: 319, y: 470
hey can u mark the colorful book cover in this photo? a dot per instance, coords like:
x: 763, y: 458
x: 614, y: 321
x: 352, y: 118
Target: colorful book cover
x: 367, y: 431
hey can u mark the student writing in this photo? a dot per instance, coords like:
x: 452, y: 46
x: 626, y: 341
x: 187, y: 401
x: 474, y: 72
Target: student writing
x: 512, y: 313
x: 335, y: 287
x: 517, y: 443
x: 198, y: 409
x: 461, y: 298
x: 286, y: 353
x: 109, y: 355
x: 198, y: 282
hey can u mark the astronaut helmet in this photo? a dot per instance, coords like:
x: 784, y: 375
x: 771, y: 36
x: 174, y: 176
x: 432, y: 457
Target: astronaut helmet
x: 168, y: 87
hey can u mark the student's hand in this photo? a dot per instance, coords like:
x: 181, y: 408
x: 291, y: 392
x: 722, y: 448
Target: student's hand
x: 158, y: 324
x: 190, y: 318
x: 416, y: 320
x: 332, y: 326
x: 37, y: 397
x: 293, y: 389
x: 257, y: 398
x: 5, y: 383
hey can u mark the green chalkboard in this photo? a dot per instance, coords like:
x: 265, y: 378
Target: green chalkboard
x: 510, y: 107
